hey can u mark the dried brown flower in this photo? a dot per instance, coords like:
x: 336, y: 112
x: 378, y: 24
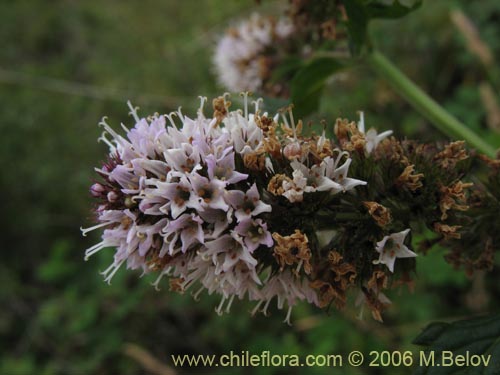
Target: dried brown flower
x: 410, y: 179
x: 176, y: 284
x: 349, y: 136
x: 293, y: 249
x: 378, y: 280
x: 221, y: 107
x: 256, y: 161
x: 451, y: 155
x: 345, y: 273
x: 376, y: 303
x: 453, y: 198
x: 379, y: 213
x: 448, y: 231
x: 275, y: 185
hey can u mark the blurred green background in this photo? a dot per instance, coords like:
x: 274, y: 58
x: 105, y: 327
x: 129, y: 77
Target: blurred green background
x: 64, y: 64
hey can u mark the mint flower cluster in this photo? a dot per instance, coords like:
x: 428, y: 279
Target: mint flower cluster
x: 248, y: 205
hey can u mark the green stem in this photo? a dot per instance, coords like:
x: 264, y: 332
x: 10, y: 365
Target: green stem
x: 427, y: 106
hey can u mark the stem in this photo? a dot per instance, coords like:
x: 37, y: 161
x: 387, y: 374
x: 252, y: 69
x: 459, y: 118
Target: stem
x: 427, y: 106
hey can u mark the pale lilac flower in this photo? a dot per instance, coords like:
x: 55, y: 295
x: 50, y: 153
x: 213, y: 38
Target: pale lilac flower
x: 392, y: 247
x: 254, y: 233
x: 247, y: 204
x: 186, y: 229
x: 371, y: 136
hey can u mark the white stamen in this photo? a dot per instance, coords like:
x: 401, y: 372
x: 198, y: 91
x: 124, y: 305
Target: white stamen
x: 293, y: 122
x: 158, y: 279
x: 94, y: 249
x: 245, y: 102
x: 256, y: 103
x: 288, y: 316
x: 105, y: 140
x: 124, y: 128
x: 228, y: 307
x: 256, y: 308
x: 218, y: 310
x: 264, y: 309
x: 361, y: 123
x: 196, y: 296
x: 133, y: 111
x: 90, y: 229
x: 203, y: 100
x: 179, y: 113
x: 170, y: 118
x: 114, y: 269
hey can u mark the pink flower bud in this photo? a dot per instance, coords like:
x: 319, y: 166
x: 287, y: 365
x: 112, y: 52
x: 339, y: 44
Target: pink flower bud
x: 96, y: 190
x: 112, y: 197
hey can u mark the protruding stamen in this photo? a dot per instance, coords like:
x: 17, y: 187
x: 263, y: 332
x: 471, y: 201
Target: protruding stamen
x: 257, y: 103
x: 203, y: 100
x: 361, y: 122
x: 290, y: 112
x: 90, y: 229
x: 133, y: 111
x: 112, y: 147
x: 288, y: 316
x: 170, y: 118
x: 114, y: 268
x: 245, y: 102
x: 228, y: 307
x: 256, y: 308
x: 179, y: 113
x: 266, y: 306
x: 218, y: 310
x: 94, y: 249
x: 124, y: 128
x: 158, y: 279
x: 196, y: 296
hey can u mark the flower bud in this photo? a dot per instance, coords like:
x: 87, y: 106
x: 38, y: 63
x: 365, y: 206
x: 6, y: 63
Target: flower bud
x: 96, y: 190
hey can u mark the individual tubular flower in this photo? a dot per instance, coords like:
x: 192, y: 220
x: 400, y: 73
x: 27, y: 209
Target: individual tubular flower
x: 392, y: 247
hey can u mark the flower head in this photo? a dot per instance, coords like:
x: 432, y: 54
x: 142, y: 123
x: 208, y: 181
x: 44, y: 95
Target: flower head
x: 229, y: 205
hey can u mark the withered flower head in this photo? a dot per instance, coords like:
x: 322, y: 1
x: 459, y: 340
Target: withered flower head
x: 451, y: 155
x: 453, y: 197
x: 448, y: 231
x: 293, y: 249
x: 409, y: 179
x: 379, y: 213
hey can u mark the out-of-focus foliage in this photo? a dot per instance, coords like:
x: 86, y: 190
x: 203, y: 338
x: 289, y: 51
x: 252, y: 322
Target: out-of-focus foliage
x: 65, y: 65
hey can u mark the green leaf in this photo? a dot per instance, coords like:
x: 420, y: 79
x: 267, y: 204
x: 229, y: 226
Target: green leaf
x: 307, y: 85
x: 395, y: 10
x: 357, y: 25
x: 287, y: 69
x: 361, y: 12
x: 478, y: 336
